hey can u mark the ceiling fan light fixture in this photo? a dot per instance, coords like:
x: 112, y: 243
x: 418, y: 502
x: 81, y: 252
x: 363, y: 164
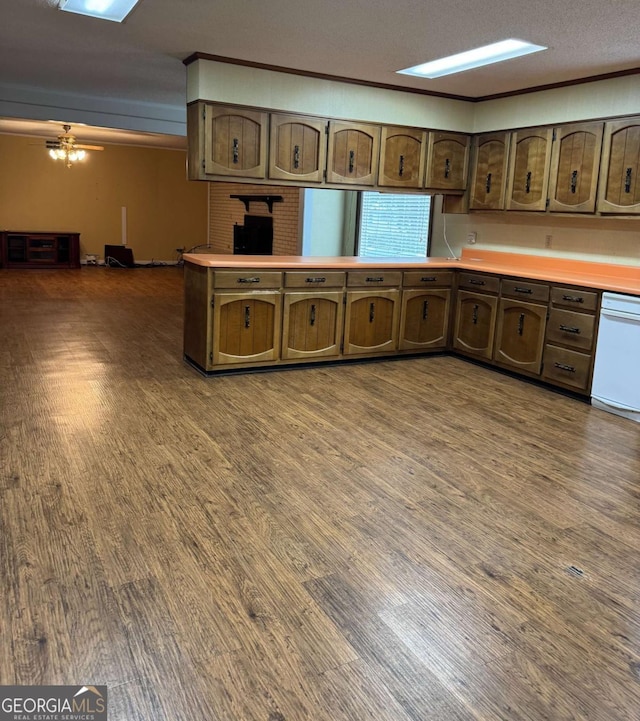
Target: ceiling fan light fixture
x: 476, y: 58
x: 115, y: 10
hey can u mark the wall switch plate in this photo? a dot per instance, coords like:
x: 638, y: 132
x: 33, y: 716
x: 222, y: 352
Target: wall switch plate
x: 472, y: 237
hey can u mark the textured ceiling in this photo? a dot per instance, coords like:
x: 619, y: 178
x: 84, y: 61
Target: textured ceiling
x: 141, y: 59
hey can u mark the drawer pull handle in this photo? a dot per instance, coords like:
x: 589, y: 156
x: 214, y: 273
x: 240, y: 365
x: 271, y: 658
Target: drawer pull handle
x: 236, y: 150
x: 627, y: 180
x: 474, y: 317
x: 320, y: 279
x: 474, y: 281
x: 425, y: 310
x: 574, y: 181
x: 521, y: 324
x: 312, y: 319
x: 296, y: 156
x: 564, y: 367
x: 523, y: 290
x: 573, y: 298
x: 447, y: 167
x: 488, y: 185
x: 570, y: 329
x: 428, y: 279
x: 375, y: 280
x: 247, y: 316
x: 401, y: 167
x: 352, y: 160
x: 372, y: 312
x: 527, y: 185
x: 248, y: 280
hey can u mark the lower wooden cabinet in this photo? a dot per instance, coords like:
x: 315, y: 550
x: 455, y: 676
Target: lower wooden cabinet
x: 475, y: 323
x: 312, y: 324
x: 371, y: 321
x: 520, y: 335
x: 424, y: 319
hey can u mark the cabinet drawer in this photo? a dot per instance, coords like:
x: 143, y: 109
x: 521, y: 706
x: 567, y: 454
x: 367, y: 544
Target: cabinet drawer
x: 567, y: 367
x: 574, y: 298
x: 374, y: 278
x: 314, y: 279
x: 479, y: 282
x: 567, y: 327
x: 426, y: 278
x: 525, y: 290
x: 247, y: 279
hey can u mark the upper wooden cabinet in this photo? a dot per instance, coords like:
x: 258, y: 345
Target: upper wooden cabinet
x: 447, y: 161
x: 402, y: 156
x: 235, y: 141
x: 353, y: 153
x: 619, y: 187
x: 297, y: 148
x: 489, y: 171
x: 529, y: 160
x: 575, y: 160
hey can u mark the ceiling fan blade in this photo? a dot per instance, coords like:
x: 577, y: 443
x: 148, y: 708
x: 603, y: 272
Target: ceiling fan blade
x: 80, y: 146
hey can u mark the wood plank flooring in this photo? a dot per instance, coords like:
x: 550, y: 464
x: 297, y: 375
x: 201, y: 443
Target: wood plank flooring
x: 421, y: 540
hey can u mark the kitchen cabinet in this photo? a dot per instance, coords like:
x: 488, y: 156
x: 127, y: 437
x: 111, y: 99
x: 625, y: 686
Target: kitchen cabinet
x: 475, y: 314
x: 520, y: 329
x: 372, y: 312
x: 297, y: 148
x: 353, y: 153
x: 619, y: 190
x: 489, y: 171
x: 425, y: 310
x: 447, y: 161
x: 313, y: 314
x: 402, y: 157
x: 529, y: 163
x: 575, y: 162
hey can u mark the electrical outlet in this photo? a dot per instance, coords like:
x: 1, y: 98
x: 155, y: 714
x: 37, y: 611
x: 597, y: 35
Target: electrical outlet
x: 547, y: 241
x: 472, y: 237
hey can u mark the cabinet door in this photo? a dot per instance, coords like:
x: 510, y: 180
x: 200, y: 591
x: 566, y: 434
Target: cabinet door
x: 353, y: 153
x: 475, y: 323
x: 530, y: 156
x: 297, y: 148
x: 447, y: 161
x: 424, y: 319
x: 575, y: 161
x: 619, y: 187
x: 371, y: 324
x: 246, y: 327
x: 520, y: 335
x: 312, y: 324
x: 235, y: 142
x: 489, y: 174
x: 402, y: 155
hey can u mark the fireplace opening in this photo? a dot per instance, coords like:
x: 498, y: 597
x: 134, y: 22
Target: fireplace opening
x: 255, y: 237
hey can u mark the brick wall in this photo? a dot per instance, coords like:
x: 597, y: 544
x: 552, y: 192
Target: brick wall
x: 225, y: 212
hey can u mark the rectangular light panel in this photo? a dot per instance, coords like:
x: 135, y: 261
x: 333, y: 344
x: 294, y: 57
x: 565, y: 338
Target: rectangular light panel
x: 486, y: 55
x: 116, y: 10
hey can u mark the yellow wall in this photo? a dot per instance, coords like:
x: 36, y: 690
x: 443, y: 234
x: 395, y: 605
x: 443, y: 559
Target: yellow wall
x: 165, y: 211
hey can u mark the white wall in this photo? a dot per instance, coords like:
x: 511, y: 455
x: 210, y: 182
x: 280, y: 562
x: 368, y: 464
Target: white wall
x: 322, y: 222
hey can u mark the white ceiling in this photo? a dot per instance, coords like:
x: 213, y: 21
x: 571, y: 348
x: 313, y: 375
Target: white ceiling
x: 141, y: 60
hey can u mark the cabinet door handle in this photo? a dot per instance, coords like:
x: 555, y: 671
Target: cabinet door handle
x: 570, y: 329
x: 474, y: 317
x: 447, y: 167
x: 236, y: 150
x: 521, y: 324
x: 627, y: 180
x: 573, y: 298
x: 320, y: 279
x: 312, y: 319
x: 428, y: 279
x: 474, y: 281
x: 352, y: 160
x: 249, y: 280
x: 425, y: 310
x: 247, y: 316
x: 527, y: 185
x: 488, y: 184
x: 574, y: 181
x: 375, y: 280
x: 401, y: 167
x: 372, y: 312
x: 564, y: 367
x: 523, y: 290
x: 296, y: 156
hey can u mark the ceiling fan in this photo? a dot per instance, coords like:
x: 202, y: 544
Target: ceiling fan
x: 67, y: 148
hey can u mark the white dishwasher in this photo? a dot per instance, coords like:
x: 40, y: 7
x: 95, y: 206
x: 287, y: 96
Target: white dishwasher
x: 616, y: 372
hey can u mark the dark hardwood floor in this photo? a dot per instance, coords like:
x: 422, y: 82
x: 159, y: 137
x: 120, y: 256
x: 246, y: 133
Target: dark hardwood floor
x: 419, y: 539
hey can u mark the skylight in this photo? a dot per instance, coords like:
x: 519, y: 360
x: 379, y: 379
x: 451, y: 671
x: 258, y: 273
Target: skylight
x: 494, y: 53
x: 116, y: 10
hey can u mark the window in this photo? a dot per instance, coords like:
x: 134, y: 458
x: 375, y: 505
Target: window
x: 393, y: 225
